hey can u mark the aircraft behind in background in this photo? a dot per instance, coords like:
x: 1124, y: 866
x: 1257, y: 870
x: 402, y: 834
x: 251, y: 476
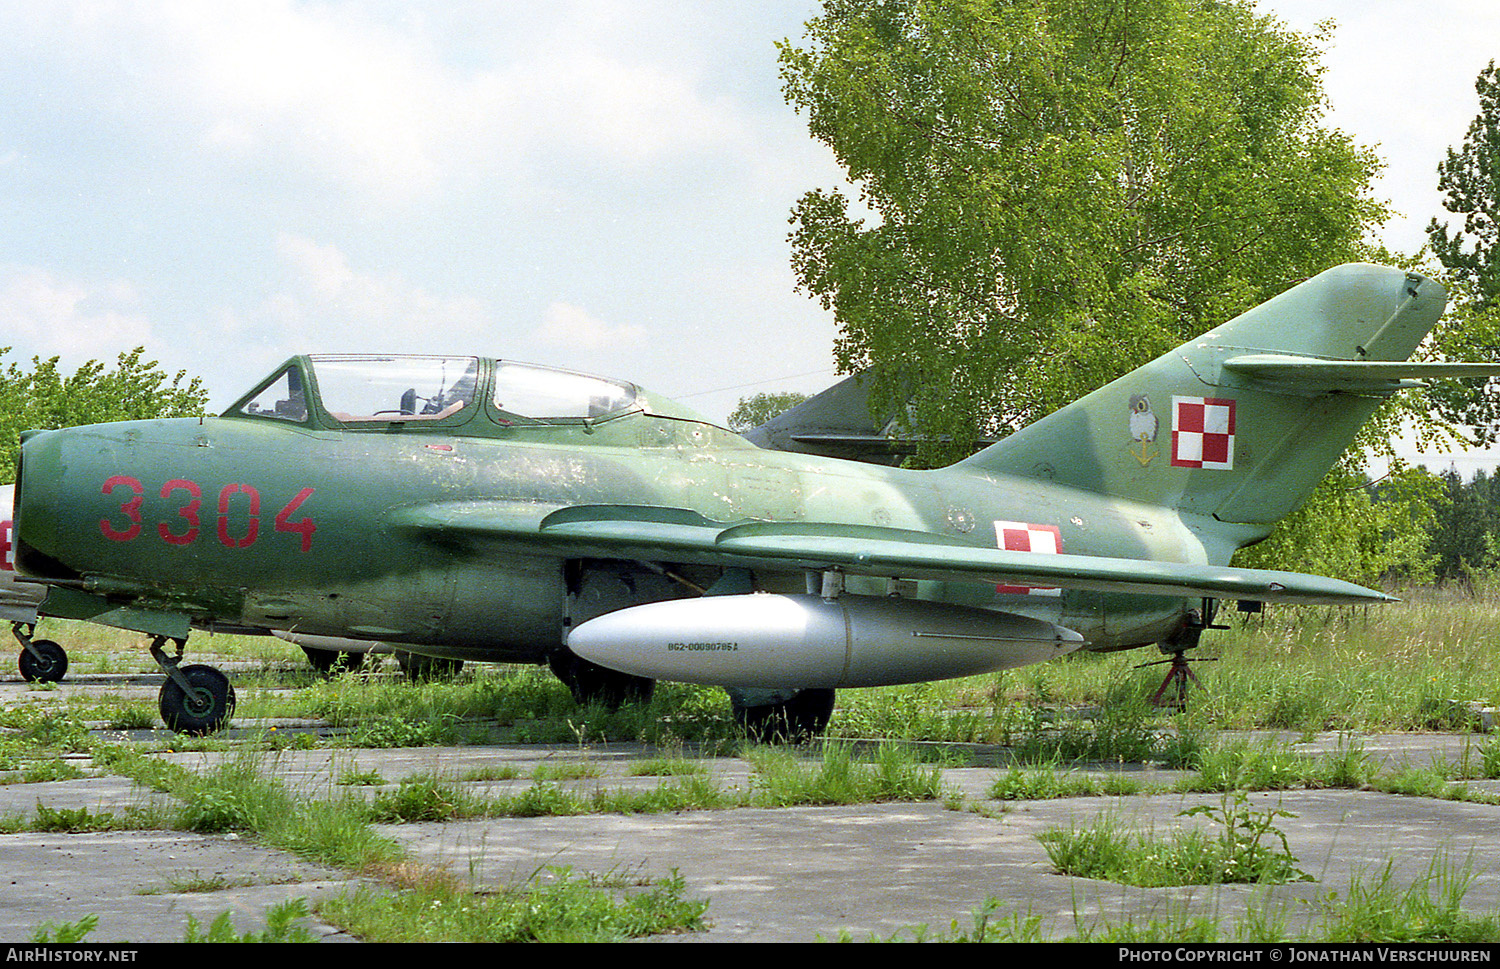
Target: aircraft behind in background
x: 41, y: 660
x: 476, y: 508
x: 837, y: 423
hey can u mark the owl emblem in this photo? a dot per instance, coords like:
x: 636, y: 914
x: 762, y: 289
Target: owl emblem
x: 1143, y: 427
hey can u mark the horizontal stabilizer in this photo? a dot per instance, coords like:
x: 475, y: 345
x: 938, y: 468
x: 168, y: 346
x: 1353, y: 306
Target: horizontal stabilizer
x: 1316, y: 373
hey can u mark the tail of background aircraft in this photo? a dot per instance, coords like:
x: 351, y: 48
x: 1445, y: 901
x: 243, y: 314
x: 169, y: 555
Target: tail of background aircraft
x: 1241, y: 423
x: 835, y: 423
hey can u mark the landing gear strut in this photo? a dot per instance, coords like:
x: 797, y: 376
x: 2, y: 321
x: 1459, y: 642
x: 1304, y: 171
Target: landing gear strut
x: 331, y: 662
x: 41, y: 660
x: 421, y: 669
x: 195, y: 699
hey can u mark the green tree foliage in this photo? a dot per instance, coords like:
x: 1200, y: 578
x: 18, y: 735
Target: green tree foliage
x: 1465, y: 526
x: 1362, y: 533
x: 756, y: 409
x: 44, y: 397
x: 1058, y: 191
x: 1469, y: 179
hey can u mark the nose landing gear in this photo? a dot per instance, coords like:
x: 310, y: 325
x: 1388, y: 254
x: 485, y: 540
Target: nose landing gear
x: 41, y: 660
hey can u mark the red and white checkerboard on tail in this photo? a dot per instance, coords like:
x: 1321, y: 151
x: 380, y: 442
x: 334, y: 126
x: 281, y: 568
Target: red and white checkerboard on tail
x: 1026, y: 537
x: 1203, y: 433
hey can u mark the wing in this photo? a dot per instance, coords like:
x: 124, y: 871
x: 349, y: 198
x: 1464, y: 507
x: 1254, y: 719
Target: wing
x: 681, y: 535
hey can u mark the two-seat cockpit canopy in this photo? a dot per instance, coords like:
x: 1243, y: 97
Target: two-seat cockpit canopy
x: 378, y: 391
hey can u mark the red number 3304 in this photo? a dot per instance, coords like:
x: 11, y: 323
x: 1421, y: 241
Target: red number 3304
x: 237, y: 526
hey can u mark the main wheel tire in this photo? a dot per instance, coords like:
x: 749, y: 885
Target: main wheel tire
x: 418, y: 667
x: 48, y: 665
x: 798, y: 720
x: 205, y: 709
x: 592, y: 683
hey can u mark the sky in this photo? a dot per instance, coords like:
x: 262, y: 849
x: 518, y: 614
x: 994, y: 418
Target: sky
x: 592, y: 184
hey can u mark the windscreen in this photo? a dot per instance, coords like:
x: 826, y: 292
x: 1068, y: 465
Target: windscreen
x: 356, y: 389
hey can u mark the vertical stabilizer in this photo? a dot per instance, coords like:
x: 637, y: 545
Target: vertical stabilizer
x: 1242, y: 422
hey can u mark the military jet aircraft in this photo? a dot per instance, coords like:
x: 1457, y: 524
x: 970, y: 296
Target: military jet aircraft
x: 479, y: 508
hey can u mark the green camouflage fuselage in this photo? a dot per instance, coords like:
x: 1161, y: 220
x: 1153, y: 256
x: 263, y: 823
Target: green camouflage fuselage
x: 243, y: 522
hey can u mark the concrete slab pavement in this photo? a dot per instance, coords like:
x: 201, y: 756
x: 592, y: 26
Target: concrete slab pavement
x: 788, y: 874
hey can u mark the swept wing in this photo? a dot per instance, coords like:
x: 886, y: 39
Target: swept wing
x: 682, y: 535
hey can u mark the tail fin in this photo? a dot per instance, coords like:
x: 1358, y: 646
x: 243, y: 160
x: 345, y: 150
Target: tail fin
x: 835, y: 423
x: 1241, y: 423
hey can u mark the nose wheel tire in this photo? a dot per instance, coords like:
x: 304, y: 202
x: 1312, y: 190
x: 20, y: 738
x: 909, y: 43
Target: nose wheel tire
x: 43, y: 662
x: 203, y: 709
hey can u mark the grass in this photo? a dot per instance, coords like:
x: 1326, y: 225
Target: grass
x: 1048, y: 783
x: 1381, y: 669
x: 425, y: 798
x: 554, y: 906
x: 781, y: 778
x: 361, y: 778
x: 666, y: 767
x: 1243, y: 846
x: 496, y: 705
x: 74, y: 820
x: 1397, y: 667
x: 565, y: 771
x: 1230, y: 842
x: 281, y: 926
x: 1376, y: 668
x: 238, y: 796
x: 1374, y: 908
x: 1267, y: 765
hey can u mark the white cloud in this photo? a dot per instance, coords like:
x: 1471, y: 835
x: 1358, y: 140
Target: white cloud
x: 324, y: 294
x: 566, y: 325
x: 48, y: 315
x: 598, y: 102
x: 370, y: 99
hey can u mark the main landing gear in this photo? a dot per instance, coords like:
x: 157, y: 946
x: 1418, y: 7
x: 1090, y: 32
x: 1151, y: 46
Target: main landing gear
x: 592, y: 683
x: 331, y: 662
x: 195, y: 699
x: 420, y: 669
x: 782, y: 716
x: 41, y: 660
